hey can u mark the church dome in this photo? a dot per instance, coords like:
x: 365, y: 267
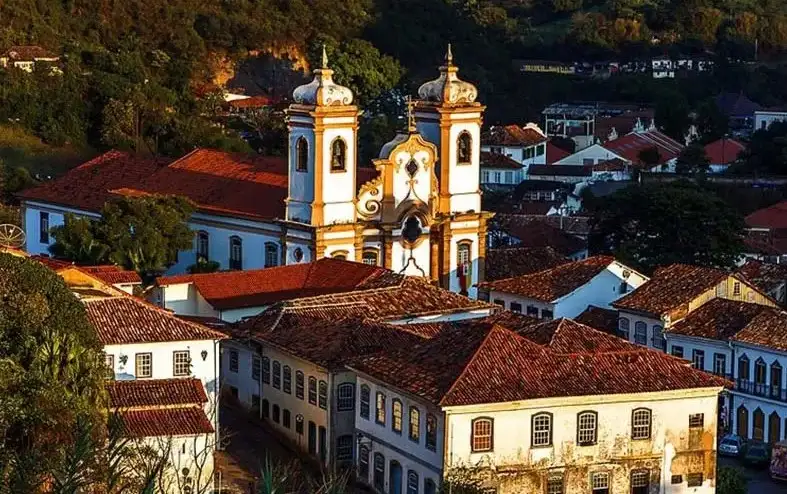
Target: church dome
x: 448, y: 88
x: 322, y: 91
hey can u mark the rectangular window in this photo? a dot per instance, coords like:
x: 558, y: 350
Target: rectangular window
x: 287, y: 380
x: 345, y: 397
x: 312, y: 391
x: 323, y: 394
x: 181, y: 363
x: 658, y: 338
x: 542, y: 430
x: 719, y: 364
x: 509, y: 177
x: 546, y: 314
x: 500, y: 302
x: 540, y: 149
x: 144, y: 365
x: 676, y: 479
x: 365, y: 401
x: 485, y: 177
x: 285, y: 418
x: 677, y: 351
x: 344, y: 448
x: 276, y: 374
x: 256, y: 368
x: 555, y: 484
x: 380, y: 409
x: 586, y: 429
x: 640, y: 481
x: 515, y: 307
x: 599, y: 483
x: 233, y: 361
x: 696, y: 420
x: 736, y: 289
x: 532, y: 311
x: 255, y: 404
x: 266, y: 370
x: 299, y: 385
x: 698, y: 359
x: 43, y: 222
x: 640, y: 424
x: 694, y: 479
x: 497, y: 176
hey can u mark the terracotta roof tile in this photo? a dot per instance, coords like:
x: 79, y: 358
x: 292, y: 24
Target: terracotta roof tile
x: 554, y: 153
x: 87, y: 186
x: 156, y: 392
x: 765, y: 276
x: 718, y: 319
x: 629, y: 146
x: 669, y: 288
x: 516, y: 261
x: 773, y: 217
x: 605, y: 320
x: 513, y: 135
x: 124, y: 320
x: 186, y: 421
x: 534, y: 232
x: 499, y: 161
x: 112, y: 274
x: 723, y: 151
x: 237, y: 289
x: 767, y: 329
x: 552, y: 284
x: 251, y: 102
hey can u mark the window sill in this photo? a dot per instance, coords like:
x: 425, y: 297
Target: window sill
x: 543, y: 446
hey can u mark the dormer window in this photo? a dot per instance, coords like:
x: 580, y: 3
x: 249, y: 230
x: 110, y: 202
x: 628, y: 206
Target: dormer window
x: 338, y: 155
x: 464, y: 148
x: 302, y: 155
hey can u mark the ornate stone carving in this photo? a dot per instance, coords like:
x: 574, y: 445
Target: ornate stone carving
x: 448, y: 88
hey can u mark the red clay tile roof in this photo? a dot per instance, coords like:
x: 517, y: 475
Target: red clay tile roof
x: 605, y: 320
x: 611, y: 165
x: 124, y: 320
x: 765, y: 276
x: 112, y: 274
x: 481, y: 361
x: 156, y: 393
x: 559, y: 171
x: 723, y: 151
x: 166, y: 422
x: 552, y: 284
x: 773, y: 217
x: 499, y: 161
x: 238, y: 289
x: 513, y: 135
x: 669, y: 288
x: 629, y: 146
x: 623, y: 124
x: 718, y: 319
x: 27, y: 53
x: 251, y: 102
x: 767, y: 329
x: 555, y: 153
x: 534, y: 233
x: 516, y: 261
x: 87, y: 186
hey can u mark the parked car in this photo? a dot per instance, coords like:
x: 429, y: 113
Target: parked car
x: 732, y: 445
x: 758, y: 454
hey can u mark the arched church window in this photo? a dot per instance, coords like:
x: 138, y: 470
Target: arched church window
x: 338, y: 155
x: 464, y: 148
x: 302, y: 155
x: 464, y: 265
x: 340, y: 254
x: 411, y: 230
x: 370, y: 257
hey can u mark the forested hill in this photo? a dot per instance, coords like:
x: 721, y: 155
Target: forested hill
x: 132, y: 67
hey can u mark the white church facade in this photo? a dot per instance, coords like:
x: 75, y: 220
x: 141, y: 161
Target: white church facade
x: 419, y: 215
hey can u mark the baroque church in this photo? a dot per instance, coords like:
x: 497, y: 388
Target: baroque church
x: 421, y: 215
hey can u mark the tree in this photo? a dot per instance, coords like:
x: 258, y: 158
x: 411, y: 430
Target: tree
x: 76, y: 241
x: 692, y: 159
x: 658, y: 224
x: 650, y: 156
x: 711, y: 123
x: 767, y: 151
x: 51, y: 375
x: 730, y: 480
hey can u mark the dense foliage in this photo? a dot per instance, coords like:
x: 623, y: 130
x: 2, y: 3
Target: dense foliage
x: 658, y: 224
x: 731, y: 480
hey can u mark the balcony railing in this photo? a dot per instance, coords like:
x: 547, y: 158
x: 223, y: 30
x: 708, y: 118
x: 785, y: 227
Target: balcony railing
x: 758, y: 389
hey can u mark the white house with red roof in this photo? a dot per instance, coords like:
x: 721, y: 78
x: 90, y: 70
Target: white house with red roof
x: 406, y: 214
x: 525, y: 145
x: 723, y: 152
x: 547, y: 407
x: 766, y: 234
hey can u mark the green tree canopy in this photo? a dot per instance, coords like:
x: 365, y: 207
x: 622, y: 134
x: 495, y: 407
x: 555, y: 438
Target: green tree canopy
x: 658, y: 224
x: 692, y: 159
x: 76, y: 241
x: 767, y: 151
x: 51, y: 372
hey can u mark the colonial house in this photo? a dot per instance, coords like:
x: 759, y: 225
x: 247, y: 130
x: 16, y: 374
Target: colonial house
x: 771, y: 279
x: 256, y: 212
x: 115, y: 276
x: 566, y: 290
x: 499, y: 171
x: 723, y: 152
x: 525, y: 145
x: 550, y: 407
x: 507, y: 262
x: 744, y: 341
x: 297, y: 350
x: 766, y: 234
x: 26, y: 57
x: 672, y: 294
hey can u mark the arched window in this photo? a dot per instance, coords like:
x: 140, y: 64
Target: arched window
x: 415, y: 424
x: 236, y: 252
x: 743, y: 368
x: 587, y: 428
x: 774, y: 427
x: 431, y: 432
x: 276, y: 374
x: 640, y: 333
x: 464, y: 265
x: 742, y: 422
x: 658, y: 338
x: 380, y: 409
x: 340, y: 254
x: 464, y: 149
x: 640, y: 423
x: 203, y: 241
x: 379, y: 472
x: 271, y: 254
x: 758, y: 425
x: 542, y: 430
x: 624, y: 326
x: 396, y: 416
x: 299, y: 384
x: 338, y: 155
x: 363, y: 463
x: 776, y: 380
x: 370, y: 257
x: 412, y: 482
x: 759, y: 375
x: 302, y: 155
x: 312, y: 390
x: 266, y: 370
x: 365, y: 401
x: 483, y: 434
x: 323, y: 394
x: 430, y: 487
x: 345, y: 397
x: 287, y: 383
